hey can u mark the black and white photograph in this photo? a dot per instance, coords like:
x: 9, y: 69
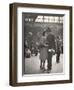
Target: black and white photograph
x: 42, y: 44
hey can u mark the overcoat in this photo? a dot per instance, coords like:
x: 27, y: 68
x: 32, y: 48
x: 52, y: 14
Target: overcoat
x: 43, y: 49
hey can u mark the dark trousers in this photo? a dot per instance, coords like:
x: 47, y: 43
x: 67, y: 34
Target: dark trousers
x: 58, y: 57
x: 49, y: 61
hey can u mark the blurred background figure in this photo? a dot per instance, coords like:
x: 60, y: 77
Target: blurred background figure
x: 58, y: 49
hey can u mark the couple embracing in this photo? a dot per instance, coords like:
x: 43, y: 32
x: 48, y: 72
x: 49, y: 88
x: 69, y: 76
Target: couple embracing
x: 47, y: 47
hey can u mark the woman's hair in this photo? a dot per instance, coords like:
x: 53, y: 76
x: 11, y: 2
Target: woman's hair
x: 48, y: 30
x: 44, y: 33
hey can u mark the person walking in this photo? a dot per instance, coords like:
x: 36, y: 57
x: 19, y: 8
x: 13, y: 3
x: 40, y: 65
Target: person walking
x: 58, y: 44
x: 51, y: 48
x: 43, y: 50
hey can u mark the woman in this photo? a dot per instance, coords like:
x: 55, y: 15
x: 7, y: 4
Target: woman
x: 43, y: 50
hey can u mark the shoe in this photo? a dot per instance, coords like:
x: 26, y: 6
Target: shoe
x: 58, y: 62
x: 49, y: 70
x: 44, y: 69
x: 40, y: 67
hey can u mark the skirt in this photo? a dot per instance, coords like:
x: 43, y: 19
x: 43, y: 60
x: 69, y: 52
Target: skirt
x: 43, y: 53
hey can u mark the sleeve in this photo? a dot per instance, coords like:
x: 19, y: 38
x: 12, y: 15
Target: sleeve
x: 54, y: 44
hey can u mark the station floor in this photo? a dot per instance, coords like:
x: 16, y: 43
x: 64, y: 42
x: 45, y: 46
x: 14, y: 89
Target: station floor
x: 32, y: 65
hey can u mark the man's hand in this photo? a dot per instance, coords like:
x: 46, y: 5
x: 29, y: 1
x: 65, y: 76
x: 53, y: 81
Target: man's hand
x: 51, y: 50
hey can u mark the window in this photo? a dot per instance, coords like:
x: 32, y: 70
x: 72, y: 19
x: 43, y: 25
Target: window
x: 45, y: 19
x: 50, y: 19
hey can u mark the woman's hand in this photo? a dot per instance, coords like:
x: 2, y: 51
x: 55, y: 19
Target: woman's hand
x: 45, y: 45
